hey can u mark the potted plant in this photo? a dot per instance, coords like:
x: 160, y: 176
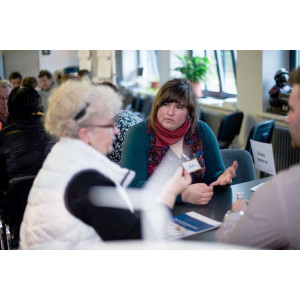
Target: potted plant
x: 195, y: 69
x: 155, y: 83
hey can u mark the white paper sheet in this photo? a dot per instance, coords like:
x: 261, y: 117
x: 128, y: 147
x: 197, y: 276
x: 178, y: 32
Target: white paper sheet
x: 263, y: 157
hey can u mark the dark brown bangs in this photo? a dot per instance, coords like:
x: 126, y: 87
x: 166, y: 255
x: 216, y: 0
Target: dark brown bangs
x: 180, y: 98
x: 172, y: 100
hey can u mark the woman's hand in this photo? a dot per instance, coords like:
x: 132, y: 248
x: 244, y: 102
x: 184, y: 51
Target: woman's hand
x: 175, y: 186
x: 226, y: 177
x: 197, y: 193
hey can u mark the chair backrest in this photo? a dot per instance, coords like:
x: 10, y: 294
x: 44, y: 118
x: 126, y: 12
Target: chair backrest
x: 261, y: 132
x: 147, y: 105
x: 18, y: 191
x: 245, y: 171
x: 213, y: 119
x: 230, y: 127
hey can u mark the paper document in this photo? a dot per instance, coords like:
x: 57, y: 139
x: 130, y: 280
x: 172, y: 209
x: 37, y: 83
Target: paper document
x: 255, y: 188
x: 263, y: 157
x: 189, y: 224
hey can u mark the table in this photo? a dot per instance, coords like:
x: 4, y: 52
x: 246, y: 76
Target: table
x: 220, y: 203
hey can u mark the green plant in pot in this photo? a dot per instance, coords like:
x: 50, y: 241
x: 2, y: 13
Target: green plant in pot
x: 195, y: 69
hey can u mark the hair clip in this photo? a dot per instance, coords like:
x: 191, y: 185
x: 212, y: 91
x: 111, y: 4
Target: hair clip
x: 80, y: 112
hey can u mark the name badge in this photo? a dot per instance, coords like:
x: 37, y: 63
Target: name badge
x: 192, y: 165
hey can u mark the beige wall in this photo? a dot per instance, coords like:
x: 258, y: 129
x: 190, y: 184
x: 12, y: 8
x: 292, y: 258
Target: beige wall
x: 24, y: 61
x: 249, y: 87
x: 30, y: 62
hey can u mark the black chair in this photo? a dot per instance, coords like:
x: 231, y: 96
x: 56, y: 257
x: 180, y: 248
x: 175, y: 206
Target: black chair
x: 245, y: 171
x: 229, y: 128
x: 261, y: 132
x: 213, y: 119
x: 147, y: 105
x: 5, y: 241
x: 17, y: 195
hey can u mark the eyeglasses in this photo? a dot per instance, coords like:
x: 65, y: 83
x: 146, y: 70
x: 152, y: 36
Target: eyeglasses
x: 80, y: 112
x: 3, y: 98
x: 112, y: 125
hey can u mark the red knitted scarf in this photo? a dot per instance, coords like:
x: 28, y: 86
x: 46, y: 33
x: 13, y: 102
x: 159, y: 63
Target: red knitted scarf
x: 165, y: 137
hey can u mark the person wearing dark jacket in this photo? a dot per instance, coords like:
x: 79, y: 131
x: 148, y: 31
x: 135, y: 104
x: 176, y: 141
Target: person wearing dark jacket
x: 24, y: 144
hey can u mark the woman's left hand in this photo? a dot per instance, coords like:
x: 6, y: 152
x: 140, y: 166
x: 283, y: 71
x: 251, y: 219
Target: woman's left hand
x: 226, y: 177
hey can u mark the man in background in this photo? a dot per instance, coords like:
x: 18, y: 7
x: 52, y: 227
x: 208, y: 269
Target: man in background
x: 271, y: 218
x: 5, y: 89
x: 46, y: 84
x: 15, y: 78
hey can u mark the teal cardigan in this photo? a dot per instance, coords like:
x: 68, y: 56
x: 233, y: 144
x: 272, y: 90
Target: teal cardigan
x: 135, y: 153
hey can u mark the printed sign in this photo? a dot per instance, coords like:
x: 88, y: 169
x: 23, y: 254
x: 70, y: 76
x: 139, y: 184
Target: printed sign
x: 263, y: 157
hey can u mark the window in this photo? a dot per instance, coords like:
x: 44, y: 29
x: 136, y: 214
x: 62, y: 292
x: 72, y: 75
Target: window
x: 221, y: 83
x: 137, y: 68
x: 175, y: 62
x: 294, y: 59
x: 148, y: 60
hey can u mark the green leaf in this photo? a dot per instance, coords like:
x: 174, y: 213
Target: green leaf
x: 194, y: 68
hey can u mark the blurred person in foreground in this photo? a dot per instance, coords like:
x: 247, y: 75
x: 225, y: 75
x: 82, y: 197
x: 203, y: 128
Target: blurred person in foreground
x: 271, y: 218
x: 60, y: 213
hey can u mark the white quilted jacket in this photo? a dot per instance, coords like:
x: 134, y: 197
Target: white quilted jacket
x: 47, y: 224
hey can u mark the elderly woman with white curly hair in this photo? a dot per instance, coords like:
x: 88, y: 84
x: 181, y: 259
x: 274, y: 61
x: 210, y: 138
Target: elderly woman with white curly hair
x: 60, y: 213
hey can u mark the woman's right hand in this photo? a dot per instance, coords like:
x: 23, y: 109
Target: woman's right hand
x: 197, y: 193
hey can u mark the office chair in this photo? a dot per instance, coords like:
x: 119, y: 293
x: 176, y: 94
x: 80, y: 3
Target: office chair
x: 146, y: 107
x: 17, y: 195
x: 213, y: 119
x: 261, y: 132
x: 245, y: 171
x: 229, y: 128
x: 5, y: 241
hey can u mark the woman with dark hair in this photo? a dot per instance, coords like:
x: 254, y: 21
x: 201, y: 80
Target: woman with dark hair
x: 23, y: 142
x: 174, y: 128
x: 30, y: 80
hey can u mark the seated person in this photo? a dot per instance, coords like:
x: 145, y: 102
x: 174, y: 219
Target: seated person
x: 15, y: 79
x: 124, y: 121
x: 271, y: 218
x: 32, y: 81
x: 5, y: 89
x: 82, y: 117
x: 24, y: 143
x: 174, y: 126
x: 83, y: 73
x: 47, y: 85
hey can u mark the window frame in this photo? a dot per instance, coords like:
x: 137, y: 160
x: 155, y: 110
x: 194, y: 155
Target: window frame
x: 220, y: 72
x: 207, y: 93
x: 294, y: 59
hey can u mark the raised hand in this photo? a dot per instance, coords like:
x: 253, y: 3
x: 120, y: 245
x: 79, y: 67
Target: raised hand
x: 226, y: 177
